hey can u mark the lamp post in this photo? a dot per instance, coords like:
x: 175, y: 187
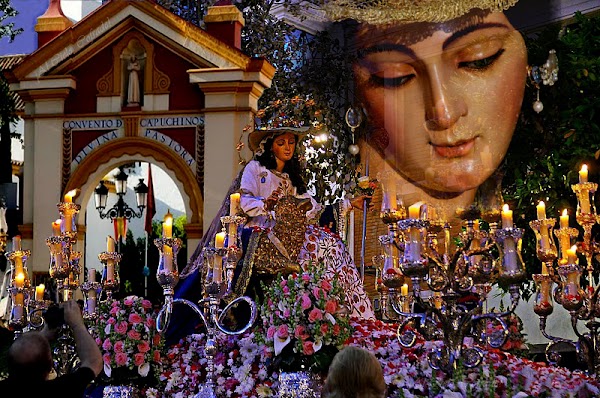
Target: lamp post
x: 120, y: 209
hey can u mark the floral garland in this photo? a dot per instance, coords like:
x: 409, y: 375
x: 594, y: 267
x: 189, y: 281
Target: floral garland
x: 126, y: 334
x: 244, y: 370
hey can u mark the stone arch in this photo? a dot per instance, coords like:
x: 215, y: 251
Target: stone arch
x: 125, y: 150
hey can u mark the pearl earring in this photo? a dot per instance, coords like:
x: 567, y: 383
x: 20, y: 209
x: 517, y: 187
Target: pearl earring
x: 546, y: 74
x: 354, y: 119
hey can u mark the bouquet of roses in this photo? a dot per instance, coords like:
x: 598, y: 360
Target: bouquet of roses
x: 126, y: 333
x: 365, y: 185
x: 303, y: 321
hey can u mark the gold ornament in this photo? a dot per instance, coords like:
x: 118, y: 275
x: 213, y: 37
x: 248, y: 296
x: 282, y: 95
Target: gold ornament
x: 379, y: 12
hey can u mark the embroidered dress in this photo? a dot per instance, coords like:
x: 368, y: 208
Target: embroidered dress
x: 258, y: 183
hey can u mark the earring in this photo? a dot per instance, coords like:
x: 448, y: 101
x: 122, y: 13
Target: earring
x: 354, y: 119
x: 546, y: 74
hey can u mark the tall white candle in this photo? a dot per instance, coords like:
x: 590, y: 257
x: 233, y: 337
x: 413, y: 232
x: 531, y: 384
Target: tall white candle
x: 510, y: 255
x: 389, y: 195
x: 583, y: 174
x: 168, y: 225
x: 218, y: 268
x: 234, y: 203
x: 39, y: 292
x: 507, y: 217
x: 91, y: 275
x: 110, y: 270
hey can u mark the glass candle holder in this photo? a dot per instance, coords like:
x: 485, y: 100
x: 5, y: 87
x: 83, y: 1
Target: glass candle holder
x: 543, y: 305
x: 572, y: 293
x: 110, y: 273
x: 512, y: 268
x: 585, y: 198
x: 68, y: 213
x: 391, y: 274
x: 546, y: 250
x: 414, y: 263
x: 167, y: 272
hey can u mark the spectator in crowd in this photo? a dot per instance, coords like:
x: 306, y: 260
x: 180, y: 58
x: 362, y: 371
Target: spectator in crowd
x: 354, y: 373
x: 30, y: 362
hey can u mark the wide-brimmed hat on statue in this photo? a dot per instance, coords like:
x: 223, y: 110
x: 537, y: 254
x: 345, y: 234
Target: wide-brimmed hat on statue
x: 379, y: 12
x: 297, y: 115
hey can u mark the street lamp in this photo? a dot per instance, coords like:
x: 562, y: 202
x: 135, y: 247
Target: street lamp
x: 121, y: 209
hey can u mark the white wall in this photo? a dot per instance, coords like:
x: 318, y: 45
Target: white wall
x: 77, y: 9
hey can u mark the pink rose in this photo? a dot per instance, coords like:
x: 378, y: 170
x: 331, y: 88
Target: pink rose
x: 336, y: 329
x: 156, y: 339
x: 106, y: 358
x: 306, y: 277
x: 143, y: 346
x: 111, y: 320
x: 331, y: 306
x: 324, y: 328
x: 286, y: 290
x: 138, y: 359
x: 146, y: 304
x: 326, y: 285
x: 316, y: 291
x: 315, y: 315
x: 308, y: 348
x: 134, y: 335
x: 286, y: 313
x: 282, y: 332
x: 135, y: 318
x: 114, y: 310
x: 156, y: 356
x: 150, y: 322
x: 106, y: 345
x: 128, y: 301
x: 121, y: 327
x: 300, y: 332
x: 119, y: 346
x: 120, y: 358
x: 283, y: 283
x: 271, y: 332
x: 306, y: 303
x: 98, y: 341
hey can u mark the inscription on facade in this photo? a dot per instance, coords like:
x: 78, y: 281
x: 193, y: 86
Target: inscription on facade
x: 177, y: 121
x: 95, y: 143
x: 93, y: 124
x: 173, y: 145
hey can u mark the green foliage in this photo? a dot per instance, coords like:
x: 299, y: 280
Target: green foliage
x: 8, y: 29
x: 549, y: 148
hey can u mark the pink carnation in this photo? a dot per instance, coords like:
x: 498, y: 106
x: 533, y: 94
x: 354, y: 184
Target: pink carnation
x: 315, y: 315
x: 135, y: 318
x: 106, y: 345
x: 282, y: 332
x: 138, y: 359
x: 331, y: 306
x: 271, y: 332
x: 306, y: 303
x: 308, y: 348
x: 121, y: 327
x: 134, y: 334
x: 143, y: 346
x: 119, y: 346
x: 120, y: 358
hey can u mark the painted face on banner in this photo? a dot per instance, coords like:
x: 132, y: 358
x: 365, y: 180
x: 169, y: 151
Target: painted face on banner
x: 442, y: 99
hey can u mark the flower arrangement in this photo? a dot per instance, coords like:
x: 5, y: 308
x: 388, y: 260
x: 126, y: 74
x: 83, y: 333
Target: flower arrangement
x: 126, y: 334
x: 365, y: 185
x: 302, y: 320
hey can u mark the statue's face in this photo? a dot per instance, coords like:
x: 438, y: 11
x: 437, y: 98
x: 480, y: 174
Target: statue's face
x: 284, y: 146
x: 443, y: 99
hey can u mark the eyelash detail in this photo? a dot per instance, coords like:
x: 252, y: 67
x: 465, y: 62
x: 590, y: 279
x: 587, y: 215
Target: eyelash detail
x: 481, y: 64
x: 392, y: 82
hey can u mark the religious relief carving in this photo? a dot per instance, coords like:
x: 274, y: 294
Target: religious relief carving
x: 160, y: 81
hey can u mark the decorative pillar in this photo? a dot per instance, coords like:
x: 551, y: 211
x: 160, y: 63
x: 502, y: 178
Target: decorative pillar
x: 225, y: 22
x: 52, y: 23
x: 231, y: 98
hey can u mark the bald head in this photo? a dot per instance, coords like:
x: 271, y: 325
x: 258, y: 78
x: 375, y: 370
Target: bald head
x: 30, y: 356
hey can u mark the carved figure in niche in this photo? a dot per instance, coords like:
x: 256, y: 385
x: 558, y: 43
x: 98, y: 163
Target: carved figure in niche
x: 133, y: 87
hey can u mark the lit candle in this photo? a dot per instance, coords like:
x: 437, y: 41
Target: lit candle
x: 39, y: 292
x: 564, y: 219
x: 414, y: 211
x: 507, y: 217
x: 584, y: 201
x: 544, y: 269
x: 56, y: 227
x: 168, y: 225
x: 110, y: 244
x: 92, y: 275
x: 476, y: 225
x: 510, y: 255
x: 583, y: 174
x: 218, y: 268
x: 68, y: 198
x: 68, y: 223
x: 541, y: 210
x: 404, y: 290
x: 545, y: 292
x: 234, y: 203
x: 437, y: 300
x: 91, y: 302
x: 572, y: 255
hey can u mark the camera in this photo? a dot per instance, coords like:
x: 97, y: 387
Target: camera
x: 54, y: 317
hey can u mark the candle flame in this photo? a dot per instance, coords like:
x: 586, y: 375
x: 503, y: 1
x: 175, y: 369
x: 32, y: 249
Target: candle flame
x: 505, y: 208
x: 20, y: 277
x: 564, y: 213
x: 584, y: 167
x: 542, y: 204
x: 168, y: 218
x: 58, y: 221
x: 72, y: 193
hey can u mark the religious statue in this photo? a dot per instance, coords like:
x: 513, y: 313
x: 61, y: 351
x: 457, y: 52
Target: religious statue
x: 133, y: 87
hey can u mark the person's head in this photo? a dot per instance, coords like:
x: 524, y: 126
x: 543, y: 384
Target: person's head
x: 442, y: 99
x: 354, y: 373
x: 30, y: 357
x: 274, y: 148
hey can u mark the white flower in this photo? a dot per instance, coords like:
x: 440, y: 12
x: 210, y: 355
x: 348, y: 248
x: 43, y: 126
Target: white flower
x: 107, y: 330
x: 107, y: 369
x: 280, y: 344
x: 143, y: 369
